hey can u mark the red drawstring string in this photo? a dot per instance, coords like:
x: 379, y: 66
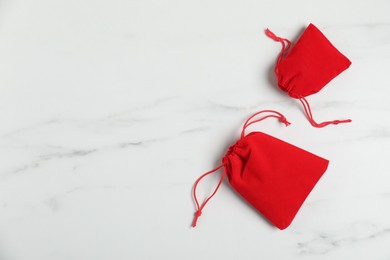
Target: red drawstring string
x: 309, y: 115
x: 284, y: 50
x: 279, y: 116
x: 198, y: 212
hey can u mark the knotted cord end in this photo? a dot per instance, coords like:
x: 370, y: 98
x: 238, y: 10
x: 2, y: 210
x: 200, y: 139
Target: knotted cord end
x: 271, y: 35
x: 197, y: 215
x: 284, y: 121
x: 336, y: 122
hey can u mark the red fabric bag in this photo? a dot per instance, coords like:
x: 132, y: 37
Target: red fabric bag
x: 310, y: 64
x: 275, y: 177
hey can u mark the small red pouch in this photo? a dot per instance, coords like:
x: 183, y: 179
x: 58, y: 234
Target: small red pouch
x: 308, y: 66
x: 275, y: 177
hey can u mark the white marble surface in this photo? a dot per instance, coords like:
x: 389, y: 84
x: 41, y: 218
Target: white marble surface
x: 110, y: 110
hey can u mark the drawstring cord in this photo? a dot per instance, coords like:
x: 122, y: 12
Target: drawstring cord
x: 247, y: 123
x: 278, y: 115
x: 286, y: 44
x: 198, y: 213
x: 309, y: 115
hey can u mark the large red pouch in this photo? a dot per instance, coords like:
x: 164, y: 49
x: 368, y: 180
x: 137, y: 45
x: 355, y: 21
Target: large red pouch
x: 275, y: 177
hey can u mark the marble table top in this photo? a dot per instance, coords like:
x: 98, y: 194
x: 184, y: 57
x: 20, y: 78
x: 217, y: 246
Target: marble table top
x: 110, y: 110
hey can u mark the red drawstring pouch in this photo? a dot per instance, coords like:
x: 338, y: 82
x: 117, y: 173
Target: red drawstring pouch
x: 305, y: 68
x: 275, y: 177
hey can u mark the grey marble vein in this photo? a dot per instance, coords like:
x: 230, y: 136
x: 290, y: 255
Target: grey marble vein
x: 324, y: 243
